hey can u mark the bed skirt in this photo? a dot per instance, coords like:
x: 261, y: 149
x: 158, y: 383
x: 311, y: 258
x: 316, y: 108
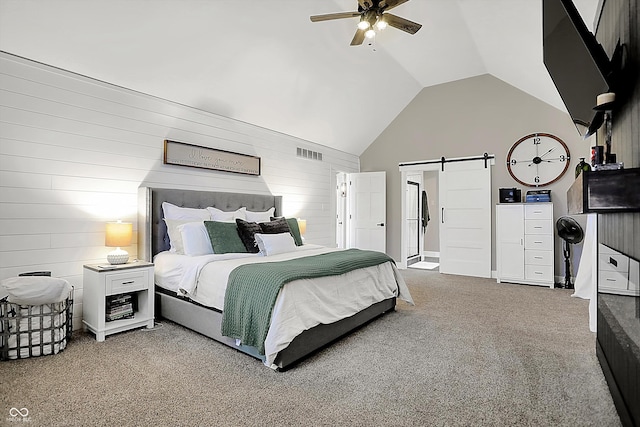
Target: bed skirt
x: 207, y: 321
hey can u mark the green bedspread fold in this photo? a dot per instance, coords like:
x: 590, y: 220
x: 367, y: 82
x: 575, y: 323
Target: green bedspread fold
x: 252, y: 289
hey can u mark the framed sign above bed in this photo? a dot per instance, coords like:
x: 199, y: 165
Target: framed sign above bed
x: 183, y: 154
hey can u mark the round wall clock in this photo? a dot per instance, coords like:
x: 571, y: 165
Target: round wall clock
x: 538, y: 159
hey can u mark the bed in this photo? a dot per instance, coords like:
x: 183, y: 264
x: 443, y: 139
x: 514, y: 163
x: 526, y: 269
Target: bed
x: 182, y: 298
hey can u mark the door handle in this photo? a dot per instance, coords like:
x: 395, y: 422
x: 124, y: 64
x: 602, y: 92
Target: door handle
x: 442, y: 216
x: 380, y: 224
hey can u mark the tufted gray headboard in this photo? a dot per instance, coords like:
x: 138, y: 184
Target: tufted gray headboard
x: 152, y: 230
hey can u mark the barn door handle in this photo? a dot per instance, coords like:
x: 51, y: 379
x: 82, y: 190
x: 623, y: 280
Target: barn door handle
x: 442, y: 216
x: 380, y: 224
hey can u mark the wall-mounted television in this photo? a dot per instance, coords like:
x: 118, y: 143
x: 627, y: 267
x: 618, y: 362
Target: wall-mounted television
x: 577, y: 63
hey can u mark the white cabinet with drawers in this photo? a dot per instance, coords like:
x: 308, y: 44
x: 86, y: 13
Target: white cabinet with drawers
x: 524, y: 249
x: 617, y: 273
x: 102, y: 281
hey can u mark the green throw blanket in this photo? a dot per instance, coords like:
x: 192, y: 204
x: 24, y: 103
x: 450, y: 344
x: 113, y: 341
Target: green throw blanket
x: 252, y: 289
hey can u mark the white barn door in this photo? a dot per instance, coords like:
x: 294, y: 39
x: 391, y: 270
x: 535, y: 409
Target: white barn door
x: 367, y: 194
x: 465, y: 218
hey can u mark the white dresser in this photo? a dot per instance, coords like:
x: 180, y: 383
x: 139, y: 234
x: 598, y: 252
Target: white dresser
x: 524, y: 249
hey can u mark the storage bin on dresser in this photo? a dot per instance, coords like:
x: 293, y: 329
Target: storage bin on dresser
x: 525, y: 247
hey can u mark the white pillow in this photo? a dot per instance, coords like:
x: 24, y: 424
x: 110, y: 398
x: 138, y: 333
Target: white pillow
x: 260, y: 216
x: 222, y: 216
x: 176, y: 212
x: 175, y: 237
x: 272, y: 244
x: 195, y: 239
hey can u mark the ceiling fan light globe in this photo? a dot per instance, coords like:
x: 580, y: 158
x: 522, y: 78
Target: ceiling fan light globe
x: 370, y: 34
x: 363, y: 25
x: 381, y: 24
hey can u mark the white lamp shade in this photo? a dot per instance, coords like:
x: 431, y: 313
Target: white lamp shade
x: 118, y: 234
x: 302, y: 225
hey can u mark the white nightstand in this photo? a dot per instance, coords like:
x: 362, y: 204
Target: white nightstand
x: 103, y: 280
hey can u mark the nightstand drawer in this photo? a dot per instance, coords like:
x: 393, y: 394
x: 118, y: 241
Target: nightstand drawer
x: 613, y: 280
x: 610, y: 260
x: 117, y: 283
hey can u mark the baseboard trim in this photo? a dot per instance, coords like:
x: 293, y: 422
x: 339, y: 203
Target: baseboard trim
x: 430, y: 254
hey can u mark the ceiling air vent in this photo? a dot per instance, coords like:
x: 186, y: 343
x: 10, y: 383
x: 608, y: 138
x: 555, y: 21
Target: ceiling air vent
x: 308, y: 154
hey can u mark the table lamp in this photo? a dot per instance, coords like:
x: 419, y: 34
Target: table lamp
x: 118, y: 234
x: 302, y: 226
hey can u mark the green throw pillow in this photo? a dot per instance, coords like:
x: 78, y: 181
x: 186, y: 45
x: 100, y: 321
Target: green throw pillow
x: 224, y: 237
x: 294, y: 230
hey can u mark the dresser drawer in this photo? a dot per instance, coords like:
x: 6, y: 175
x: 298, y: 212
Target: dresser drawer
x: 117, y: 283
x: 538, y: 211
x: 540, y: 242
x: 538, y: 226
x: 532, y: 257
x: 613, y: 262
x: 613, y: 280
x: 540, y: 273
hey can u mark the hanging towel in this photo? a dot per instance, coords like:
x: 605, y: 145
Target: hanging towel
x: 425, y: 210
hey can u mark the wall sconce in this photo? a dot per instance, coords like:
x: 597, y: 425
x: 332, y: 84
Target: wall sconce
x: 302, y: 225
x: 118, y: 234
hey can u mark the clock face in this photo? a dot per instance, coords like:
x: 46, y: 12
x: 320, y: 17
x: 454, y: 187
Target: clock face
x: 538, y: 159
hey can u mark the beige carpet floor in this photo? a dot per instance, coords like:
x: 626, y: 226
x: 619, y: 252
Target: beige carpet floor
x: 471, y: 352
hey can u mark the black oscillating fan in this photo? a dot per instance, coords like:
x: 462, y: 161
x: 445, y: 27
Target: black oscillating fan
x: 570, y: 231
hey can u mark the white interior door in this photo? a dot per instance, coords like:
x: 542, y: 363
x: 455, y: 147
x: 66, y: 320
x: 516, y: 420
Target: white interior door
x: 341, y: 210
x: 465, y: 218
x: 367, y: 193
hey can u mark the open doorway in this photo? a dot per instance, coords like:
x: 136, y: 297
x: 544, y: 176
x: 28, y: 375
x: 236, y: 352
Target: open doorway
x: 413, y: 220
x: 463, y: 213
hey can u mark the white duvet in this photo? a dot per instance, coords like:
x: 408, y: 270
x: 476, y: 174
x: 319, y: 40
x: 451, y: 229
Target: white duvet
x: 301, y: 304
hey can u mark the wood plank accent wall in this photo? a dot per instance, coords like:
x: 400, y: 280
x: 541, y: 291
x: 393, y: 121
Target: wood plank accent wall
x: 620, y: 21
x: 73, y: 152
x: 616, y: 349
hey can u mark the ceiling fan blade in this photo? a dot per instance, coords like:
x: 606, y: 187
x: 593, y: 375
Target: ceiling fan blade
x: 358, y: 38
x: 401, y: 23
x: 329, y: 16
x: 390, y: 4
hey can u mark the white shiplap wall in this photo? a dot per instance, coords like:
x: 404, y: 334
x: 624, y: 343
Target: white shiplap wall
x: 73, y: 152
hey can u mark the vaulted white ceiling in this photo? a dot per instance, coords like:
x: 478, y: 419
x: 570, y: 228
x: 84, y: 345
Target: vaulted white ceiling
x: 264, y: 62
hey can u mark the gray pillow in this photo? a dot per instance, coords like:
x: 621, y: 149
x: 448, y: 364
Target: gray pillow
x: 224, y: 237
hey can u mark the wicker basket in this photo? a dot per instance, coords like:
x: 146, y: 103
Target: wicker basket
x: 34, y: 330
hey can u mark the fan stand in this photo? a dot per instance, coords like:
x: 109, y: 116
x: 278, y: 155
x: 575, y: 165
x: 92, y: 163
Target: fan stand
x: 567, y: 266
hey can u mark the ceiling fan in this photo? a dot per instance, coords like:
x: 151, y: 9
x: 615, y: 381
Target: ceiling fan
x: 373, y: 15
